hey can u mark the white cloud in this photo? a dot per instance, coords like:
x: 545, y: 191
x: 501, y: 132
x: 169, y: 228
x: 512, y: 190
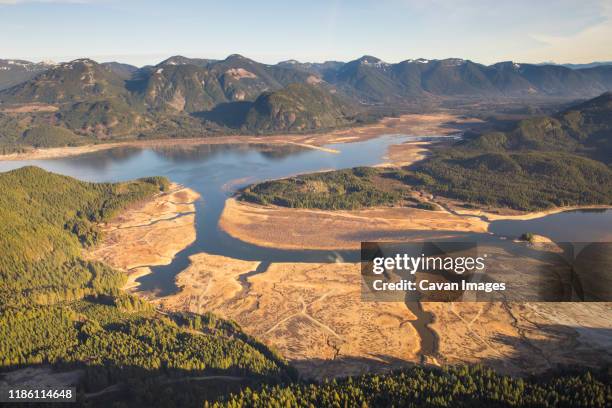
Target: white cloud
x: 590, y: 44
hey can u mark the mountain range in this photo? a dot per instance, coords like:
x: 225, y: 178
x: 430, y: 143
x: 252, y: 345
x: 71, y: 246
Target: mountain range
x: 183, y: 96
x: 240, y: 78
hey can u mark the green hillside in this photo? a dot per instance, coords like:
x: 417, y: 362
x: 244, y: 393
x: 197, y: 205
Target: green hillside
x: 178, y: 88
x: 542, y: 162
x: 530, y: 180
x: 429, y: 387
x: 58, y: 308
x: 49, y: 136
x: 191, y: 97
x: 334, y: 190
x: 584, y: 129
x: 103, y: 119
x: 297, y: 107
x: 179, y: 97
x: 46, y: 220
x: 13, y: 72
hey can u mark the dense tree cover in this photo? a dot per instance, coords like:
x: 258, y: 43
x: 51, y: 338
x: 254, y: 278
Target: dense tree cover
x: 297, y: 107
x: 116, y: 342
x: 422, y: 387
x: 538, y: 163
x: 335, y: 190
x: 58, y: 308
x: 102, y: 118
x: 50, y: 136
x: 529, y: 180
x: 46, y: 219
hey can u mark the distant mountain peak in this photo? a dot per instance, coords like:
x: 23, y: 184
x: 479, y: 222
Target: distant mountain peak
x: 85, y: 61
x: 508, y: 65
x: 290, y: 62
x: 453, y: 61
x: 235, y: 57
x: 417, y: 60
x: 369, y: 60
x: 175, y: 60
x: 182, y: 60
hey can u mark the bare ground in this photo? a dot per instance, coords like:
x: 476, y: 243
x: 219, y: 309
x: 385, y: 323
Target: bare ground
x: 311, y: 313
x: 149, y: 234
x: 314, y: 315
x: 520, y: 338
x: 318, y: 229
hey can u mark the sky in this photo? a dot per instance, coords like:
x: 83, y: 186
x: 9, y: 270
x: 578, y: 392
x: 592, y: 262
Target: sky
x: 146, y: 32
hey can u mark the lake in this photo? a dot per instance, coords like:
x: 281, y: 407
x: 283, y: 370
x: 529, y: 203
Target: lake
x: 216, y: 171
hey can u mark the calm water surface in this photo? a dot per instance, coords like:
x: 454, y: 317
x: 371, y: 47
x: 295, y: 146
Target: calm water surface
x: 217, y: 171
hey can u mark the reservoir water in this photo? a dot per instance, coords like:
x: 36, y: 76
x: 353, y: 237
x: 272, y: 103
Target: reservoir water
x: 217, y: 171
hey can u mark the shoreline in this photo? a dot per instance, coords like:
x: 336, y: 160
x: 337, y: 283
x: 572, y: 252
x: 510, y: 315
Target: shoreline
x: 149, y: 234
x: 310, y: 228
x: 313, y: 229
x: 302, y: 310
x: 543, y: 213
x: 422, y: 124
x: 310, y: 312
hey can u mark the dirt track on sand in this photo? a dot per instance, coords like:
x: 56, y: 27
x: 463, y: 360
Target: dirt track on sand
x: 311, y: 313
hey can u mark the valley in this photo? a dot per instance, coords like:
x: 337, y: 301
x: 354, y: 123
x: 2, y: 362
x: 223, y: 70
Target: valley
x: 308, y: 311
x: 237, y: 266
x: 84, y: 102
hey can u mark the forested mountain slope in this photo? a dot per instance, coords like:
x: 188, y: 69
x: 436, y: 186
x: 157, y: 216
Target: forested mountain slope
x: 59, y: 309
x: 541, y: 162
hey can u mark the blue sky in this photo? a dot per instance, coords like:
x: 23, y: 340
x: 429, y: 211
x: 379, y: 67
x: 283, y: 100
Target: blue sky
x: 145, y: 32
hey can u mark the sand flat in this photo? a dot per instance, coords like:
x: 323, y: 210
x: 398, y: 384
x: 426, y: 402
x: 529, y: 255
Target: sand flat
x: 311, y: 313
x: 520, y: 338
x: 149, y: 234
x: 319, y: 229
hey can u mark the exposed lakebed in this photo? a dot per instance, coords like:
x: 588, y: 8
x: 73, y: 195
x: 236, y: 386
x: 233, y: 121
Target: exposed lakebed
x: 216, y: 171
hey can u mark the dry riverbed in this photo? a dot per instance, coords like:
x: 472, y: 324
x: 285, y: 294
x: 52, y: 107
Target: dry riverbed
x: 149, y: 234
x: 521, y: 338
x: 311, y: 313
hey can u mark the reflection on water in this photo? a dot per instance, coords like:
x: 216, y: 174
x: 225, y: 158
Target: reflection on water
x: 99, y: 161
x: 196, y: 153
x: 218, y: 170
